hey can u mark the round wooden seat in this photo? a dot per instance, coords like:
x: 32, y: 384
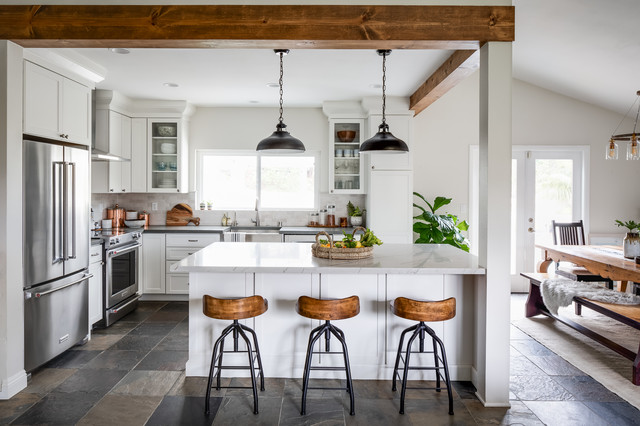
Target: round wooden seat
x: 234, y: 309
x: 328, y: 309
x: 418, y: 310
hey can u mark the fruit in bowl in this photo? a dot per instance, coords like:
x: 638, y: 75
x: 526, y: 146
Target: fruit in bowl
x: 346, y: 135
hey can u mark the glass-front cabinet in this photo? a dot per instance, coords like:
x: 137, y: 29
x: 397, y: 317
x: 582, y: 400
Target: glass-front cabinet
x: 345, y: 162
x: 166, y: 167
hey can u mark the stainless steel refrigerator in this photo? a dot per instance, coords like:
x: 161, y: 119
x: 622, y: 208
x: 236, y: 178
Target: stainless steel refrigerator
x: 56, y: 248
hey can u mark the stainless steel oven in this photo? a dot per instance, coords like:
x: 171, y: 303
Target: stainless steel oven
x: 122, y: 259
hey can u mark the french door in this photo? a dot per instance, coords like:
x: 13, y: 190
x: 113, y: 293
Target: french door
x: 548, y: 183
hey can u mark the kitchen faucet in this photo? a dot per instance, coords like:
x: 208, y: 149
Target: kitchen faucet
x: 257, y: 219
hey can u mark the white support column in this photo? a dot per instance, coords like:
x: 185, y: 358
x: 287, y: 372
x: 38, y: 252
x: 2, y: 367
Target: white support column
x: 493, y: 290
x: 12, y: 374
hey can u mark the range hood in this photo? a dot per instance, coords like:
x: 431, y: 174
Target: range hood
x: 98, y: 154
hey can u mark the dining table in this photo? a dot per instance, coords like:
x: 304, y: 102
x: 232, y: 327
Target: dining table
x: 604, y: 260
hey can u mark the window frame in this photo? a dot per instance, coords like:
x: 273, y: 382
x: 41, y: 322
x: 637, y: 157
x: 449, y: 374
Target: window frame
x: 201, y: 153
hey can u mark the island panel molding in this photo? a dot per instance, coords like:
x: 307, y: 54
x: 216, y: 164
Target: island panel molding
x: 308, y: 26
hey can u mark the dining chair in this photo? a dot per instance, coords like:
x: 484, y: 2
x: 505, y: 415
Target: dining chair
x: 572, y: 233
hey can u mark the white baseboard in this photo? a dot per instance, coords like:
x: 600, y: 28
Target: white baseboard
x: 13, y: 385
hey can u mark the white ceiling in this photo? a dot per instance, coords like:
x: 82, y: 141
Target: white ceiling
x: 585, y: 49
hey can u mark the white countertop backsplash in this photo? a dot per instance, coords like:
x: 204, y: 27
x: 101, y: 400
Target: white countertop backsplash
x: 143, y: 201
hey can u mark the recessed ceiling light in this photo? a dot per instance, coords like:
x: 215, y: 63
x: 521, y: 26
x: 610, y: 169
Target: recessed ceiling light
x: 120, y: 50
x: 171, y: 85
x: 253, y: 102
x: 273, y: 85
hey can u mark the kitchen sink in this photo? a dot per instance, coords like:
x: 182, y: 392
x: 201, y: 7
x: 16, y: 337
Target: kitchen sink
x: 259, y: 234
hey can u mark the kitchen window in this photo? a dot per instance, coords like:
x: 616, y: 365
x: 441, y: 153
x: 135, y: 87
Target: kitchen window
x: 234, y: 180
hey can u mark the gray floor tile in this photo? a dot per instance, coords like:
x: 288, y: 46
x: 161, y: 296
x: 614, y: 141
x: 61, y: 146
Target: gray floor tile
x: 184, y: 410
x: 100, y: 342
x: 531, y: 348
x: 616, y: 413
x: 164, y: 361
x: 273, y: 387
x: 72, y: 359
x: 434, y: 412
x: 465, y: 390
x: 97, y: 382
x: 121, y: 327
x: 555, y: 366
x: 522, y: 366
x: 121, y: 410
x: 10, y: 409
x: 239, y: 411
x: 565, y: 413
x: 376, y: 412
x: 517, y: 334
x: 116, y: 360
x: 45, y: 380
x: 58, y: 408
x: 152, y: 329
x: 517, y: 414
x: 325, y: 411
x: 174, y: 342
x: 585, y: 388
x: 136, y: 343
x: 538, y: 388
x: 167, y: 316
x: 146, y: 383
x: 175, y: 307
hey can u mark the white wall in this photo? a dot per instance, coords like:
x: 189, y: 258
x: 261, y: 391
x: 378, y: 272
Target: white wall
x: 444, y: 131
x: 243, y: 128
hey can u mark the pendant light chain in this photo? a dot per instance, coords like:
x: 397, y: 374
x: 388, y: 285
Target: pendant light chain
x: 280, y: 82
x: 384, y: 86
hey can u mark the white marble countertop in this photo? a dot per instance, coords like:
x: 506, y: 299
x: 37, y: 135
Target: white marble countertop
x: 297, y: 258
x: 162, y: 229
x: 308, y: 230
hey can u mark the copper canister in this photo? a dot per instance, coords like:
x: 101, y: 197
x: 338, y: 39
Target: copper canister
x: 144, y: 215
x: 116, y: 214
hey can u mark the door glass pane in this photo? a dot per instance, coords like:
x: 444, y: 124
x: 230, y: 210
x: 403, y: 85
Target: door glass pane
x: 514, y: 213
x: 553, y: 197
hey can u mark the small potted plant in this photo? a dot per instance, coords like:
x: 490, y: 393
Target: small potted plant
x: 631, y: 243
x: 433, y: 228
x: 209, y: 205
x: 355, y: 214
x: 203, y: 205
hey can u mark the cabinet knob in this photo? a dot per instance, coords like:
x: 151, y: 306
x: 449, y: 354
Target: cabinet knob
x: 178, y: 190
x: 373, y: 167
x: 110, y: 190
x: 62, y: 135
x: 124, y: 190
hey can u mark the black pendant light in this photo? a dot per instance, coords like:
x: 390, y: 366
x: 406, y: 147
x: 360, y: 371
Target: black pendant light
x: 281, y: 140
x: 384, y: 141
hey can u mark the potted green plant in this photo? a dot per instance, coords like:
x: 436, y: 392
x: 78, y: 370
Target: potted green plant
x: 435, y: 228
x: 209, y: 205
x: 631, y: 243
x: 355, y: 214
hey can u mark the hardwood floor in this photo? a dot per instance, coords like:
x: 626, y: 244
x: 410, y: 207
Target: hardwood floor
x: 133, y: 373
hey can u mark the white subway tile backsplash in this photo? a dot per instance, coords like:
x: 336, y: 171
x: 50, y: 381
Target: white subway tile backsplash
x: 143, y: 201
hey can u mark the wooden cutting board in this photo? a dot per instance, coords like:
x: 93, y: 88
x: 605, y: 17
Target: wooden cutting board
x: 180, y: 215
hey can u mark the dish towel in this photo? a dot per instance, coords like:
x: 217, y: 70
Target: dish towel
x: 557, y: 292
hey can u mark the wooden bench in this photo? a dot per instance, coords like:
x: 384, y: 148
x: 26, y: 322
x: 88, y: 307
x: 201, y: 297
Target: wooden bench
x: 626, y: 314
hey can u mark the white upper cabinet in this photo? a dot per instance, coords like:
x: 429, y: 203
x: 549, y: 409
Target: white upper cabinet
x: 167, y: 156
x: 346, y: 166
x: 113, y: 135
x: 55, y: 107
x: 138, y: 155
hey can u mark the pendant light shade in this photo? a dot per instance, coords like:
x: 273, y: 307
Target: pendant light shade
x: 384, y: 141
x: 633, y: 146
x: 281, y: 140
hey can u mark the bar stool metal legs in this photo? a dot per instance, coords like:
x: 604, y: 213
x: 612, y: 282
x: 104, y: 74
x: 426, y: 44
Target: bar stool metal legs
x: 235, y: 309
x: 422, y: 311
x: 327, y: 329
x: 418, y: 332
x: 327, y: 310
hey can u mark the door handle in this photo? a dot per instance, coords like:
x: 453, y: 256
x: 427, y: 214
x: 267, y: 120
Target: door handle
x: 37, y: 295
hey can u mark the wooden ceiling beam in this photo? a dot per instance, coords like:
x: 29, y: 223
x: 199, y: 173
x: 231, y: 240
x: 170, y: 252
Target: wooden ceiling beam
x: 257, y: 26
x: 456, y: 68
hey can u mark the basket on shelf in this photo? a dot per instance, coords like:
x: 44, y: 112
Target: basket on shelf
x: 332, y: 252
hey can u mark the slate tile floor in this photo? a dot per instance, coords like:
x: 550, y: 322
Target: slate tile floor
x: 133, y: 374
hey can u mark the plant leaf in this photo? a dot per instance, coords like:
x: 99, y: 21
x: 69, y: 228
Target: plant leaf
x: 439, y: 202
x: 463, y: 226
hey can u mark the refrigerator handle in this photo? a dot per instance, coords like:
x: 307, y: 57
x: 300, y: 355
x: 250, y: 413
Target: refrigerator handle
x: 58, y: 215
x: 70, y: 211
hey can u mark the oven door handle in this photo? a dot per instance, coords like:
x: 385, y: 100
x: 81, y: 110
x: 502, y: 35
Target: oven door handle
x: 123, y: 250
x: 115, y: 310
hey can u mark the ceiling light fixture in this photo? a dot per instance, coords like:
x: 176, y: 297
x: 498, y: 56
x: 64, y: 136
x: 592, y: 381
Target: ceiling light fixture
x: 171, y: 85
x: 120, y: 50
x: 281, y: 140
x: 384, y: 141
x: 633, y: 149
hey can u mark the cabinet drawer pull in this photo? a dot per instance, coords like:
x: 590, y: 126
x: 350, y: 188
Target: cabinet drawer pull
x: 193, y: 241
x: 95, y: 254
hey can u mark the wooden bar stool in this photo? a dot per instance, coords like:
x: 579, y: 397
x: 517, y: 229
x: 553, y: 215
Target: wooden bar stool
x: 235, y: 309
x: 423, y: 311
x: 327, y: 310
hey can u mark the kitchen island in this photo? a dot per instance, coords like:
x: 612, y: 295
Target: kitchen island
x: 283, y: 272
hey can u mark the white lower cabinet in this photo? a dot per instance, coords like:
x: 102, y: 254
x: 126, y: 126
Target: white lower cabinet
x: 160, y: 251
x: 153, y: 276
x: 95, y: 285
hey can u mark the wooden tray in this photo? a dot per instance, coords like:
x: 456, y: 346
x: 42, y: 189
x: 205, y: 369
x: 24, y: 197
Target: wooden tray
x: 180, y: 215
x: 332, y: 252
